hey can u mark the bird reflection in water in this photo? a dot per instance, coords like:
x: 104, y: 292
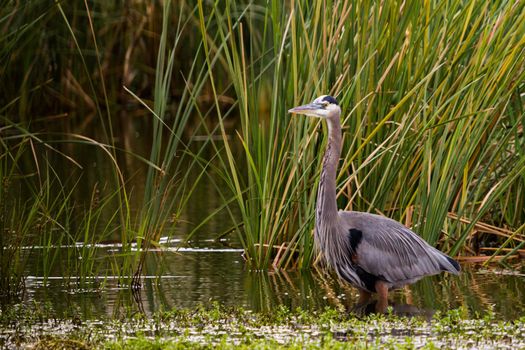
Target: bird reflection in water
x: 394, y: 308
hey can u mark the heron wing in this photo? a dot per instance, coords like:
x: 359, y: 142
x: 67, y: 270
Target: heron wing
x: 391, y: 251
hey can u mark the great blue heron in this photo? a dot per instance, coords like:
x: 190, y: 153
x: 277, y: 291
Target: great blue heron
x: 371, y: 252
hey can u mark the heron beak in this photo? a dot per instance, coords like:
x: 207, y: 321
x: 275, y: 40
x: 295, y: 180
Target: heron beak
x: 308, y: 109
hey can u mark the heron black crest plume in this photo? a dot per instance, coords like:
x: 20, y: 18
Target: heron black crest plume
x: 330, y: 99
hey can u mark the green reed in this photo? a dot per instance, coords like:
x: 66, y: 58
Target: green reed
x: 55, y: 191
x: 432, y: 115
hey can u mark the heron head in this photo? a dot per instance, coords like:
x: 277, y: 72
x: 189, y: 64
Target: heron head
x: 322, y: 107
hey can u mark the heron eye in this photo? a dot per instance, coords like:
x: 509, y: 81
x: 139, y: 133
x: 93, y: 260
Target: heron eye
x: 326, y: 103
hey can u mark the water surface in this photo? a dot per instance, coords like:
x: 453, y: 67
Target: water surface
x: 202, y: 275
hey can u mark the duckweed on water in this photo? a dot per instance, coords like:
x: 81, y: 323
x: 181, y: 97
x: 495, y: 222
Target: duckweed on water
x: 225, y: 328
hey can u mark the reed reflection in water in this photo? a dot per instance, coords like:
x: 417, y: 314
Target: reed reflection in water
x: 203, y: 276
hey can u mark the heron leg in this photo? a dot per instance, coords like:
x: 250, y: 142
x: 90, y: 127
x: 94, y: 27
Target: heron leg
x: 364, y: 297
x: 382, y: 293
x: 408, y: 294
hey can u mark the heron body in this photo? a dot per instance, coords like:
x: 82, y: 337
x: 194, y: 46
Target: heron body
x: 371, y: 252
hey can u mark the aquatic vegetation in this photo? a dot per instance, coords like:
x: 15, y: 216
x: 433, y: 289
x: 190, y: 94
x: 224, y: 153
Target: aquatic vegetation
x: 432, y: 117
x: 219, y: 327
x: 53, y: 195
x: 111, y: 115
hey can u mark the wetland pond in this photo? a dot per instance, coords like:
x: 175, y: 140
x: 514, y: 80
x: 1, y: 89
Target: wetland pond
x: 201, y: 294
x: 126, y: 122
x: 204, y: 274
x: 205, y: 297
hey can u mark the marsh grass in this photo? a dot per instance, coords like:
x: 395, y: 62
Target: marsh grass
x: 432, y: 116
x: 44, y: 229
x: 432, y: 99
x: 51, y: 192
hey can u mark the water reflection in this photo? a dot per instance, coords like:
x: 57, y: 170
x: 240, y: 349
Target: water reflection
x: 203, y: 276
x: 398, y: 309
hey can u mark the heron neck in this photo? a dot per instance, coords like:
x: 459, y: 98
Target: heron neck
x: 326, y: 210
